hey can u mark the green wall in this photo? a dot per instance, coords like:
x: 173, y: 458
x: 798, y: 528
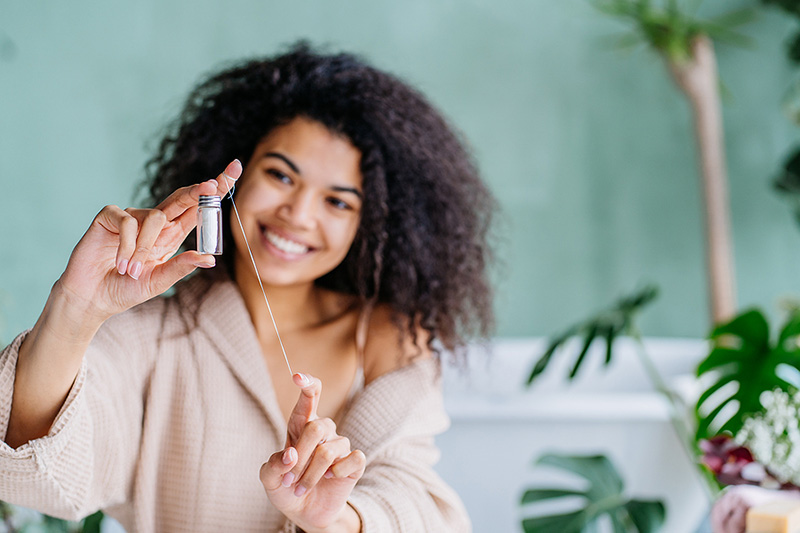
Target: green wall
x: 589, y: 150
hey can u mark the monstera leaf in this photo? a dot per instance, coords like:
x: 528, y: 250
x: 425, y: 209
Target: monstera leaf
x: 603, y: 497
x: 606, y: 325
x: 742, y: 353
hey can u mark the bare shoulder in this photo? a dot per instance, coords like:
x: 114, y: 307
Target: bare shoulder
x: 391, y: 345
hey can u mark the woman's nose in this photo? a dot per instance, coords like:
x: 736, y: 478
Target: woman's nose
x: 300, y: 210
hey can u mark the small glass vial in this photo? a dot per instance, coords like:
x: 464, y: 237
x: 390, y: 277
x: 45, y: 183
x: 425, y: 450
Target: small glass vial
x: 209, y: 225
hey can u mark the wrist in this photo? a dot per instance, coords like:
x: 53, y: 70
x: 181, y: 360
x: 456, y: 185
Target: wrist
x: 348, y: 521
x: 72, y: 318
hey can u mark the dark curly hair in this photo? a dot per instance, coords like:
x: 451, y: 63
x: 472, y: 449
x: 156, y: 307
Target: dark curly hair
x: 421, y: 246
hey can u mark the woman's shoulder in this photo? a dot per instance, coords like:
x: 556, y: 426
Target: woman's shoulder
x: 392, y: 342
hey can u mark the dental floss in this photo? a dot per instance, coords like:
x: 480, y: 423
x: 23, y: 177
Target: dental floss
x: 255, y: 268
x: 209, y: 225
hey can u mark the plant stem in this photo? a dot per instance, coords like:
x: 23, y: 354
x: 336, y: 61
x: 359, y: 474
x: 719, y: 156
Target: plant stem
x: 689, y: 445
x: 697, y: 78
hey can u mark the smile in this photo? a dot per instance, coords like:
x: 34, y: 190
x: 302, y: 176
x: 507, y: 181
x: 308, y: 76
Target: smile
x: 285, y: 245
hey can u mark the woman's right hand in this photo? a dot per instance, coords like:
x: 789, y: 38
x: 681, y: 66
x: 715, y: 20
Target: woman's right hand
x: 126, y: 256
x: 123, y: 259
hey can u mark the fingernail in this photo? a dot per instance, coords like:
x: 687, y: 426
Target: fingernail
x: 136, y: 269
x: 328, y: 474
x: 304, y: 379
x: 288, y: 479
x: 206, y: 265
x: 122, y: 267
x: 287, y: 457
x: 299, y: 491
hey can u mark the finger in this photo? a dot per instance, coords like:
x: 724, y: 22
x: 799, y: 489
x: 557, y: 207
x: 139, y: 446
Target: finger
x: 228, y: 178
x: 151, y: 222
x: 323, y: 457
x: 314, y: 434
x: 275, y: 472
x: 187, y: 197
x: 115, y: 220
x: 305, y: 409
x: 351, y: 466
x: 167, y: 274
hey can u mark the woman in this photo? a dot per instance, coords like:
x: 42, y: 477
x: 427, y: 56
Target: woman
x: 368, y: 226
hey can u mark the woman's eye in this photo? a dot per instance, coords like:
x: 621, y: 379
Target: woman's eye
x: 280, y: 176
x: 339, y: 204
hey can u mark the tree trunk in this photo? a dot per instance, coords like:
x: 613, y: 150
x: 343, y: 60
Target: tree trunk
x: 697, y: 78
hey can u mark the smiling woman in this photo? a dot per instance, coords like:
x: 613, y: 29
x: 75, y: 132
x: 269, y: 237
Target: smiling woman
x: 367, y: 224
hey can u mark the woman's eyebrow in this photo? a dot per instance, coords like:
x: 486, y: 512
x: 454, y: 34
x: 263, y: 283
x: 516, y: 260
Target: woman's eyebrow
x: 353, y: 190
x: 285, y: 160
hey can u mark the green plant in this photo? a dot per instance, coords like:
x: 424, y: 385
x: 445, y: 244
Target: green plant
x: 787, y: 183
x: 672, y: 30
x: 604, y: 497
x: 608, y: 325
x: 743, y: 354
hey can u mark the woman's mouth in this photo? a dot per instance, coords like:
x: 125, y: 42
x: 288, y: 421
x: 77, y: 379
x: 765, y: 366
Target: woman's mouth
x: 283, y: 244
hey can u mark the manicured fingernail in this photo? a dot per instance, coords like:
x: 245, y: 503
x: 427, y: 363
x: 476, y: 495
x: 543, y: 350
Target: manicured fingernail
x: 304, y: 379
x: 288, y: 456
x: 299, y: 491
x: 136, y: 269
x: 122, y: 267
x: 203, y: 264
x: 328, y: 474
x: 288, y: 479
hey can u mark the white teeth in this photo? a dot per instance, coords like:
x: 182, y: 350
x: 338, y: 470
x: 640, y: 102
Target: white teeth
x: 285, y: 245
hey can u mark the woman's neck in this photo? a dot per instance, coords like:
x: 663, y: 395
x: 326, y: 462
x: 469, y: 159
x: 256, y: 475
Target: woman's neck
x: 294, y: 307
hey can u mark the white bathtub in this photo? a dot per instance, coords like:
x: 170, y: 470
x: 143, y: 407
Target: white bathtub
x: 499, y: 428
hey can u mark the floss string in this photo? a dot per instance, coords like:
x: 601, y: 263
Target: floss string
x: 255, y: 268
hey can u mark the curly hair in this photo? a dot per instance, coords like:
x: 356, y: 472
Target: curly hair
x: 421, y: 246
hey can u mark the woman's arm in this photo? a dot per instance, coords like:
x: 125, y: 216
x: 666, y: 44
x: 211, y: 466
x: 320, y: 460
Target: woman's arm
x: 43, y: 380
x: 123, y: 259
x: 394, y: 421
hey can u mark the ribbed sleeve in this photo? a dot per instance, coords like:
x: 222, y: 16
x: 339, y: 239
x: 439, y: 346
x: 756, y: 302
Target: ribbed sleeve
x: 85, y: 462
x: 393, y: 421
x: 36, y: 474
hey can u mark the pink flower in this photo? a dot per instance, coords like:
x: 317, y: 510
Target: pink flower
x: 723, y: 456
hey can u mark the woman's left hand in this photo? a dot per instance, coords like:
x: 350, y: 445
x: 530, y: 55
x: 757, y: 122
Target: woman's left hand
x: 310, y: 480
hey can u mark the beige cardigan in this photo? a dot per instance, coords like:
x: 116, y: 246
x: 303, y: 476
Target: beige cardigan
x: 173, y: 413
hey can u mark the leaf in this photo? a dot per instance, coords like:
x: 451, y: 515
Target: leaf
x: 737, y: 17
x: 609, y: 335
x: 646, y: 515
x: 563, y: 523
x: 607, y: 324
x: 55, y: 525
x: 589, y: 337
x: 671, y: 29
x: 743, y: 353
x: 93, y: 523
x: 603, y: 497
x: 535, y: 495
x: 544, y: 360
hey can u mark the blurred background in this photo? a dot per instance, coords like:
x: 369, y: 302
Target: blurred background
x: 589, y: 149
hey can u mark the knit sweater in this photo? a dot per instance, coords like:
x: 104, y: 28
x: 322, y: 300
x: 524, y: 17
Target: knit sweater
x: 173, y: 412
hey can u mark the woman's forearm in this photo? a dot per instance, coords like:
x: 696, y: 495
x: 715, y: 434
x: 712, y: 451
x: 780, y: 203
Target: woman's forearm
x: 48, y: 363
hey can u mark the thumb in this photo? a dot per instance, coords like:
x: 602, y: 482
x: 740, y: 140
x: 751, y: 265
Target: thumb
x: 273, y: 472
x: 168, y: 274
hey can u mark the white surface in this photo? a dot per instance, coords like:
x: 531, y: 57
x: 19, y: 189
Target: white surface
x: 500, y: 428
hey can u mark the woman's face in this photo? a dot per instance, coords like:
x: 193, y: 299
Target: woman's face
x: 299, y: 199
